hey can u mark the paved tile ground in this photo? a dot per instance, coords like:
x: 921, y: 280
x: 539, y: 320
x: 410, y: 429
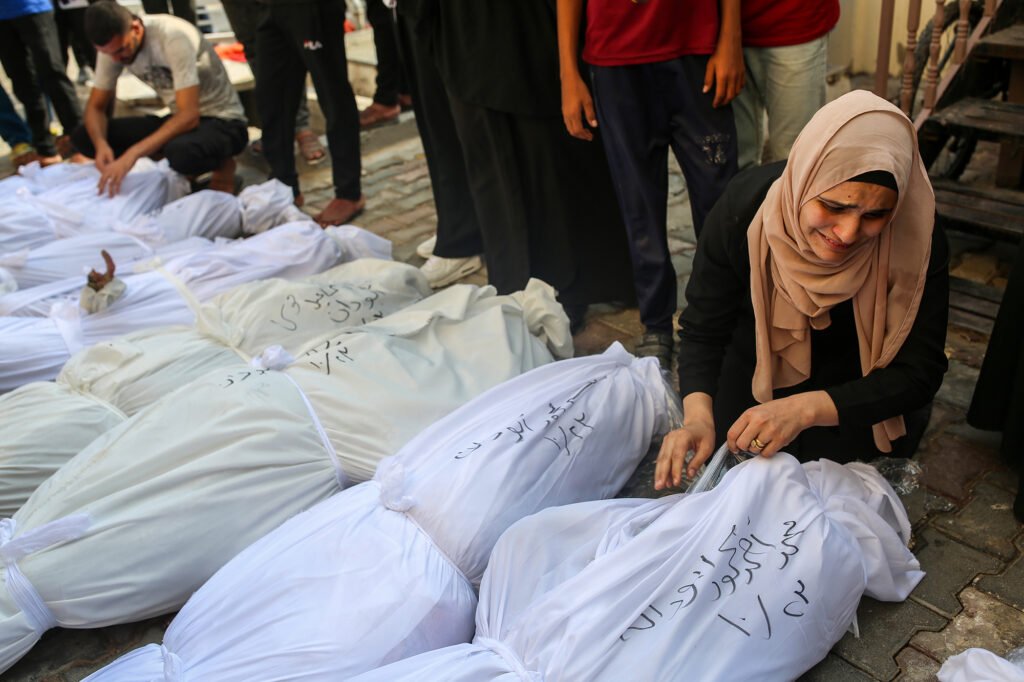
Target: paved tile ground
x: 964, y: 532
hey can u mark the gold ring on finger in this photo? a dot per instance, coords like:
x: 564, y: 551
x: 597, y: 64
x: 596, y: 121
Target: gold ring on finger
x: 755, y: 443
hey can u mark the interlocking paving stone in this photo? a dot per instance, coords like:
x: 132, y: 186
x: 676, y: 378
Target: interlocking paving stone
x: 915, y: 666
x: 921, y: 503
x: 834, y: 669
x: 949, y: 566
x: 985, y: 523
x: 597, y: 335
x: 951, y: 464
x: 64, y: 654
x: 958, y: 385
x: 1005, y: 478
x: 984, y: 622
x: 1009, y: 586
x: 885, y: 628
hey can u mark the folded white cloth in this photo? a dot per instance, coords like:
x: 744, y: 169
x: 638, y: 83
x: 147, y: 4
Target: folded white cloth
x: 754, y: 580
x: 387, y: 569
x: 177, y: 490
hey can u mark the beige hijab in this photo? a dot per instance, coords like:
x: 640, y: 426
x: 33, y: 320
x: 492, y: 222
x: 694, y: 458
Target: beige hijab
x: 793, y: 290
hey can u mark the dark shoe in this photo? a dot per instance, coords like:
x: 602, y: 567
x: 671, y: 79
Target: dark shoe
x: 657, y: 345
x: 340, y: 211
x: 378, y: 114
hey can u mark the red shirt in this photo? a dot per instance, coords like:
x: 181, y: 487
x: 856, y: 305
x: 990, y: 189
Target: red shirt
x: 622, y: 32
x: 776, y: 23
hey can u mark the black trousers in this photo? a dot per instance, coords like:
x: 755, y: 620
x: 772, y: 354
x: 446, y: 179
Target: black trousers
x: 30, y: 54
x: 198, y: 151
x: 545, y: 205
x: 643, y: 110
x: 291, y: 40
x: 183, y: 9
x: 71, y: 34
x: 245, y: 16
x: 392, y: 61
x: 458, y: 230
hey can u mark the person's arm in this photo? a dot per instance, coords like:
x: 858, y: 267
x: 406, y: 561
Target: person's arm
x: 715, y: 295
x: 577, y: 104
x: 907, y: 383
x: 96, y: 125
x: 186, y: 118
x: 725, y: 71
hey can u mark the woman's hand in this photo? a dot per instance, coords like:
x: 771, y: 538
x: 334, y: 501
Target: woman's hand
x: 767, y: 428
x: 697, y: 436
x: 578, y: 107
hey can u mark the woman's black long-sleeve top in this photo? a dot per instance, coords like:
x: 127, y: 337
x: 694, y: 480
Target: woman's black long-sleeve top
x: 717, y: 331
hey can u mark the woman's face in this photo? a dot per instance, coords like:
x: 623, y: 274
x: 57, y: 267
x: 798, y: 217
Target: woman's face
x: 844, y: 216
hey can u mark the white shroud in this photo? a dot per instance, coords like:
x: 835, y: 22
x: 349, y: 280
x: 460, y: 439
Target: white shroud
x: 176, y: 491
x: 756, y: 579
x: 387, y: 569
x: 34, y: 349
x: 44, y: 424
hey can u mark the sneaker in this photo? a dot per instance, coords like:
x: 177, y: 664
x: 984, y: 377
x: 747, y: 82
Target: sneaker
x: 441, y: 272
x: 426, y: 248
x: 659, y: 345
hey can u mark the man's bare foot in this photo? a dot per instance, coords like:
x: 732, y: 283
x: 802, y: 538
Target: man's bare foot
x: 78, y: 157
x: 64, y: 146
x: 309, y: 146
x: 45, y: 161
x: 377, y: 114
x: 340, y: 211
x: 223, y: 179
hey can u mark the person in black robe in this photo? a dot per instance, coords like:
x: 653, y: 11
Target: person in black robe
x: 544, y: 200
x: 998, y: 402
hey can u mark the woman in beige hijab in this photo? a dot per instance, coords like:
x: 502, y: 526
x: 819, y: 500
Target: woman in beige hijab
x: 817, y: 305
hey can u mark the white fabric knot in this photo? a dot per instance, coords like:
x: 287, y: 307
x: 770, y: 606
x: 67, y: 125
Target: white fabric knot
x: 510, y: 657
x: 174, y: 667
x: 274, y: 357
x: 15, y: 259
x: 391, y: 475
x: 12, y: 549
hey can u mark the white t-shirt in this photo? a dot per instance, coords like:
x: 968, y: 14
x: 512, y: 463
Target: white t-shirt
x: 174, y: 55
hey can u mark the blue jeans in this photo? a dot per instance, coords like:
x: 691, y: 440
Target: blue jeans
x: 789, y: 84
x: 12, y: 128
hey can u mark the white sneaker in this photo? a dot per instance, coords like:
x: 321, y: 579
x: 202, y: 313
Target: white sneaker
x: 426, y: 248
x: 441, y: 272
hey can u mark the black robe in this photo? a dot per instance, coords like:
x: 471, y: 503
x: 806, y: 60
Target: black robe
x: 544, y: 200
x: 998, y: 402
x: 717, y: 330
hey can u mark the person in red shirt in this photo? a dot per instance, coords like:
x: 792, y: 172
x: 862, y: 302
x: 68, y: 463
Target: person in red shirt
x: 662, y: 73
x: 784, y: 48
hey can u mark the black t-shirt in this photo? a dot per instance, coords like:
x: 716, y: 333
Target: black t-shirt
x: 717, y: 354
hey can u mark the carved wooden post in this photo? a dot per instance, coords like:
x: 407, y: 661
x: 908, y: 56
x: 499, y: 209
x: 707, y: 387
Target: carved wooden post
x: 910, y: 60
x: 931, y: 77
x: 963, y: 27
x: 884, y: 46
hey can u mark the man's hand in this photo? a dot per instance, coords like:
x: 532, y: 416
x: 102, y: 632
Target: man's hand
x: 104, y: 157
x: 113, y: 174
x: 767, y: 428
x: 577, y: 107
x: 698, y: 437
x: 725, y: 72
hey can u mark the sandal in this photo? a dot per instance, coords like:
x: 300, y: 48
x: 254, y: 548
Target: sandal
x: 309, y: 146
